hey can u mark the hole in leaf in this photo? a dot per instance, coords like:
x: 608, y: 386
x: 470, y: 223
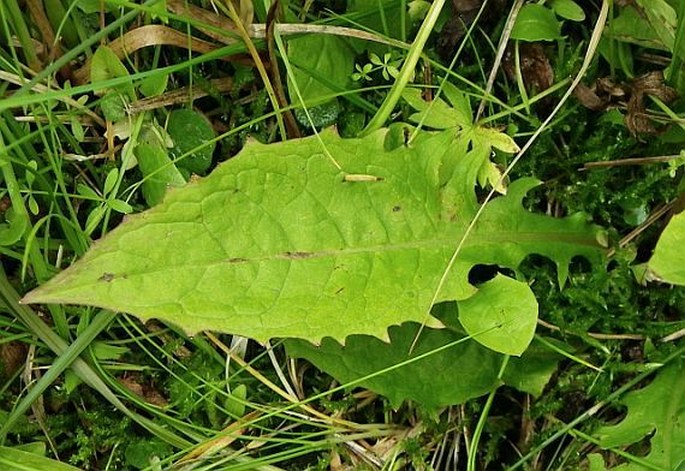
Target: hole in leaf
x: 579, y: 265
x: 479, y: 274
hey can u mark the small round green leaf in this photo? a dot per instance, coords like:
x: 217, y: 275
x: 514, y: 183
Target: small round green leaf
x: 501, y: 316
x: 105, y: 65
x: 159, y: 171
x: 154, y: 85
x: 120, y: 206
x: 536, y: 23
x: 193, y: 135
x: 568, y: 9
x: 113, y: 106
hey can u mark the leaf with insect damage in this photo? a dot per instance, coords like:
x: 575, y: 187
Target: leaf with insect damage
x: 277, y: 242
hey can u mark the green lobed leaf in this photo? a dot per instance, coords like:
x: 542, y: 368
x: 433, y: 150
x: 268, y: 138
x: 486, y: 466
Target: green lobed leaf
x: 536, y: 23
x: 662, y: 17
x: 668, y: 261
x: 658, y: 411
x: 462, y: 370
x: 276, y: 243
x: 438, y: 114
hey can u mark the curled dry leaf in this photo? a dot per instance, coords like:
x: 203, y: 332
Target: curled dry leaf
x: 150, y: 35
x: 606, y: 93
x: 652, y: 84
x: 600, y: 95
x: 589, y: 98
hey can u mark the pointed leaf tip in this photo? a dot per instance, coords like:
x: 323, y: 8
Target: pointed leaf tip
x: 274, y: 243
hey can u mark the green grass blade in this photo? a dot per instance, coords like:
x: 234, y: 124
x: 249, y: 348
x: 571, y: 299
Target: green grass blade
x: 10, y: 298
x: 64, y: 360
x: 407, y: 70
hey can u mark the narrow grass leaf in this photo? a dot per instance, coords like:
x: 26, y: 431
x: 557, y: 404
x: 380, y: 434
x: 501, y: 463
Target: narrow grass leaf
x: 15, y: 459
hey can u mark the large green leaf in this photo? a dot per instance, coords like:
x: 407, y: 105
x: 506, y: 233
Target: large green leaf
x: 668, y: 262
x: 657, y: 411
x: 662, y: 17
x: 631, y: 26
x: 455, y: 370
x: 461, y: 372
x: 278, y: 242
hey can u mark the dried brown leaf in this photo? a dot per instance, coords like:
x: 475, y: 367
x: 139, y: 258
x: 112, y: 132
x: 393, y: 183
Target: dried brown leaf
x: 12, y: 357
x: 143, y: 390
x: 589, y: 99
x: 652, y: 83
x: 536, y: 69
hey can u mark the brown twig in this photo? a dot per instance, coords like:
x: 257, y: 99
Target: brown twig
x: 181, y: 95
x: 651, y: 219
x: 631, y: 161
x: 595, y: 335
x: 290, y: 123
